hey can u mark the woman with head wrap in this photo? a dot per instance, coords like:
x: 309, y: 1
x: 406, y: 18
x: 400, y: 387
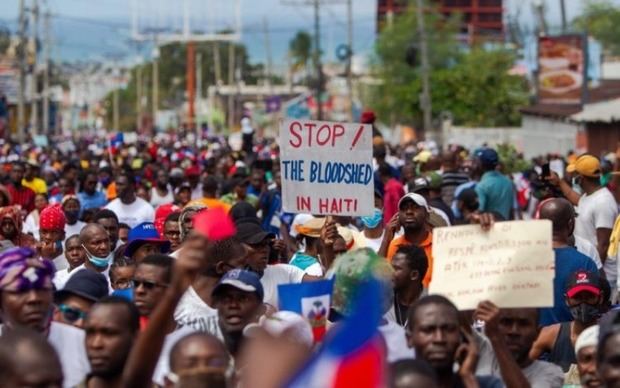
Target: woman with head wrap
x: 11, y: 227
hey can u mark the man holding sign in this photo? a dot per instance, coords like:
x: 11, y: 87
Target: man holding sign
x: 326, y: 168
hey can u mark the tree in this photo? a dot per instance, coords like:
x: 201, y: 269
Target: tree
x: 300, y: 49
x: 474, y: 84
x: 601, y: 19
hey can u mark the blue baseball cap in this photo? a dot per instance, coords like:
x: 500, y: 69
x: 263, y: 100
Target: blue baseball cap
x: 488, y: 157
x: 142, y: 234
x: 241, y: 279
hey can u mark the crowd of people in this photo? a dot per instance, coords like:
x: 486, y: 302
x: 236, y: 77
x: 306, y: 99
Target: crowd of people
x: 108, y: 279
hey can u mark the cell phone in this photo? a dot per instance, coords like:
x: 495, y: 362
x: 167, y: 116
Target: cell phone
x: 546, y: 171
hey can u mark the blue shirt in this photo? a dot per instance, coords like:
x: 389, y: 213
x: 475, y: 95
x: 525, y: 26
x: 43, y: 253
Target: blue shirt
x: 96, y: 201
x: 495, y: 193
x: 567, y: 261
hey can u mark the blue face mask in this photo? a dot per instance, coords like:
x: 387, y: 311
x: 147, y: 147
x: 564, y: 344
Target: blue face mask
x: 99, y: 262
x: 373, y: 220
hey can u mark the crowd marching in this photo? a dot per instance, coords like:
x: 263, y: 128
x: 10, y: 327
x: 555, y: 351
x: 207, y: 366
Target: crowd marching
x: 157, y: 262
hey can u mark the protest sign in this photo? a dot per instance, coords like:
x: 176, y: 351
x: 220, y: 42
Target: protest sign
x: 511, y: 265
x: 326, y: 168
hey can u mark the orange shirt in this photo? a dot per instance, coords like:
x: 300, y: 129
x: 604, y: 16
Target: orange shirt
x: 427, y: 245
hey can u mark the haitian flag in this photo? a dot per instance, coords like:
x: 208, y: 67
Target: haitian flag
x: 311, y: 300
x: 353, y: 352
x: 116, y: 142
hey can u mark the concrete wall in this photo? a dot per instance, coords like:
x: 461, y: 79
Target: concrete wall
x: 536, y: 136
x: 544, y: 135
x: 472, y: 138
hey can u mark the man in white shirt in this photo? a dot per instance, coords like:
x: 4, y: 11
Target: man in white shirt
x: 27, y: 295
x: 596, y: 208
x: 257, y: 244
x: 129, y: 208
x: 161, y: 193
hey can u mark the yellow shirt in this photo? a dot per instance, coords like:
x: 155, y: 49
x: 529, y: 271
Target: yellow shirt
x: 37, y: 185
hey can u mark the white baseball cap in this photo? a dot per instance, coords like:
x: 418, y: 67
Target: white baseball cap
x: 417, y: 198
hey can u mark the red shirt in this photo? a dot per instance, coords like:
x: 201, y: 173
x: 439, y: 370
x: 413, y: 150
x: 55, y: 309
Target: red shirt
x: 22, y: 196
x: 393, y: 191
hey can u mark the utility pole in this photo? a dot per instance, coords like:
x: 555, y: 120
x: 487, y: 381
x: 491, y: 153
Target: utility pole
x: 231, y: 81
x: 317, y: 60
x: 155, y: 81
x: 563, y: 13
x: 115, y: 107
x: 268, y: 70
x: 198, y: 92
x: 190, y: 84
x: 350, y: 58
x: 425, y: 97
x: 46, y: 75
x: 21, y: 55
x: 139, y: 95
x: 34, y: 111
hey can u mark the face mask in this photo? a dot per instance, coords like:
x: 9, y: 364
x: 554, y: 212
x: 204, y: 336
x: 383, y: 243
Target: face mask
x: 99, y: 262
x: 605, y: 178
x: 585, y: 313
x: 72, y: 215
x: 105, y: 181
x: 374, y: 220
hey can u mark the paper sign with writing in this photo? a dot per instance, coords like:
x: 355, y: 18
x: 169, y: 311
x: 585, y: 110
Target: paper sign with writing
x: 511, y: 265
x: 326, y: 168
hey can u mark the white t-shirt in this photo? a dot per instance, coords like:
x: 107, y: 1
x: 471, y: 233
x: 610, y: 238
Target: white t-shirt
x: 68, y: 341
x: 61, y: 277
x: 588, y: 249
x: 595, y: 211
x: 157, y: 200
x: 60, y: 262
x: 193, y: 312
x: 163, y: 364
x: 274, y: 276
x: 373, y: 243
x: 76, y: 228
x: 31, y: 226
x: 396, y: 342
x: 136, y: 213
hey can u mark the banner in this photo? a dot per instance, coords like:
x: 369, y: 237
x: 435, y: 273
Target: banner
x: 311, y: 300
x: 326, y: 168
x: 512, y: 265
x: 562, y: 63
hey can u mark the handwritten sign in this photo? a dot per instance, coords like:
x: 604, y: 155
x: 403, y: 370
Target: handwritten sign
x: 511, y: 265
x: 326, y: 168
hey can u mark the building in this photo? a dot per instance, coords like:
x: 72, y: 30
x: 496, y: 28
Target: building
x: 482, y: 19
x: 593, y: 127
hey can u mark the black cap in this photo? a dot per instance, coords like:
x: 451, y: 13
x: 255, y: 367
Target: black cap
x: 85, y: 283
x: 251, y: 233
x: 242, y: 212
x: 419, y: 184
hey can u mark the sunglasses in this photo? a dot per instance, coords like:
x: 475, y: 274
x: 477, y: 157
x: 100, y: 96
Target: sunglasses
x: 146, y: 284
x: 71, y: 314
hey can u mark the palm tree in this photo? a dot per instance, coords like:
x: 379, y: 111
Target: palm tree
x: 300, y: 49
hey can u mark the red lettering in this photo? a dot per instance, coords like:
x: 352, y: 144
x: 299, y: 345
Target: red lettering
x: 323, y: 205
x: 336, y: 207
x: 295, y: 134
x: 303, y: 203
x: 309, y: 127
x: 318, y: 135
x: 338, y: 132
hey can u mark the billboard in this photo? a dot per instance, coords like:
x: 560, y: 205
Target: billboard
x: 562, y: 69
